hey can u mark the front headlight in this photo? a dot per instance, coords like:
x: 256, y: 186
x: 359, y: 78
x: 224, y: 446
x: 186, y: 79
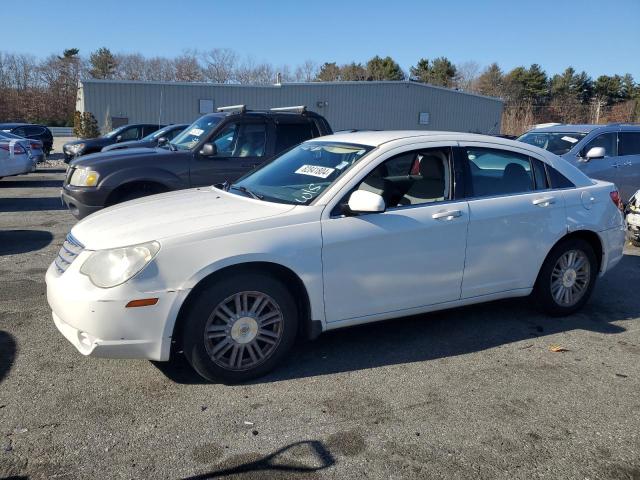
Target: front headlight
x: 76, y: 147
x: 83, y: 177
x: 109, y: 268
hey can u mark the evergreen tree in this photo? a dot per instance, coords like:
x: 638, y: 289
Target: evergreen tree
x: 384, y: 69
x: 103, y: 64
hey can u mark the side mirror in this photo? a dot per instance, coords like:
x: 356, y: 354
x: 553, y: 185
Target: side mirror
x: 118, y: 138
x: 595, y: 152
x: 162, y: 141
x: 362, y: 201
x: 208, y: 150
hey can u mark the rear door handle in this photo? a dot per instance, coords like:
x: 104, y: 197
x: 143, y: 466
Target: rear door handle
x: 544, y: 201
x: 447, y: 215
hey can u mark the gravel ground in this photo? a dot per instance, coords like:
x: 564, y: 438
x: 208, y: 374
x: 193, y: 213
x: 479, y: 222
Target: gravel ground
x: 468, y: 393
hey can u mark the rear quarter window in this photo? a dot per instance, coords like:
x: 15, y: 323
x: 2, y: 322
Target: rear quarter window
x: 557, y: 179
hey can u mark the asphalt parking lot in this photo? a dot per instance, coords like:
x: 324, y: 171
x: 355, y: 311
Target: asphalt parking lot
x: 469, y: 393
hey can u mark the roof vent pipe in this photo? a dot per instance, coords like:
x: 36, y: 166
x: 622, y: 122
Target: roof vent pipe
x: 278, y: 78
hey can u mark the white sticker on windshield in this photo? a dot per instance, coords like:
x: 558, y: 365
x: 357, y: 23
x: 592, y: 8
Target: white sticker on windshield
x: 196, y: 131
x: 342, y: 165
x: 315, y: 171
x: 570, y: 139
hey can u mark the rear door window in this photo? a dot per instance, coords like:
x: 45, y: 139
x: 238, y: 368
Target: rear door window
x: 495, y: 172
x: 629, y: 143
x: 132, y: 133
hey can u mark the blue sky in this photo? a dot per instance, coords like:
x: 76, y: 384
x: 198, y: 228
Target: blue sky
x: 601, y: 37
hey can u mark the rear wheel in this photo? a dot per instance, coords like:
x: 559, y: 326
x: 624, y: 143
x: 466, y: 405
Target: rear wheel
x: 239, y: 328
x: 567, y: 277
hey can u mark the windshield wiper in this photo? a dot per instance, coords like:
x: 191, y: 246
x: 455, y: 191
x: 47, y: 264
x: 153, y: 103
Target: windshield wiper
x: 248, y: 192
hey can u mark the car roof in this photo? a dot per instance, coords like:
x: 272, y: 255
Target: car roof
x: 571, y: 128
x: 375, y: 138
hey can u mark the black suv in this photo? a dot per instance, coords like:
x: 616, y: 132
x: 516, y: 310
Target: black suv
x: 125, y: 133
x: 217, y: 147
x: 31, y: 131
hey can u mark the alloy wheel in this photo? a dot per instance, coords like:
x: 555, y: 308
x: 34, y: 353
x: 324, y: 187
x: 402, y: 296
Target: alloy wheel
x: 243, y: 330
x: 570, y: 278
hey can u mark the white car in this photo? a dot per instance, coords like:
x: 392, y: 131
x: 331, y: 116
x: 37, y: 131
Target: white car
x: 15, y: 158
x: 341, y: 230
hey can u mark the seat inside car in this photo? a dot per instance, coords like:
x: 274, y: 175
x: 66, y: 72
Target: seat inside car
x: 516, y: 179
x: 430, y: 184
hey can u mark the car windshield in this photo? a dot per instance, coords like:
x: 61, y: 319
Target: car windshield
x: 299, y: 175
x: 191, y: 135
x: 157, y: 134
x: 555, y: 142
x: 114, y: 132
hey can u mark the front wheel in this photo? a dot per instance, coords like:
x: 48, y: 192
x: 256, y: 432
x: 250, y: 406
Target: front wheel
x: 239, y: 328
x: 567, y: 278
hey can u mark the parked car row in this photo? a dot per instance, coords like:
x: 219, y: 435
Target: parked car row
x: 217, y: 147
x: 38, y: 133
x: 125, y: 133
x: 339, y: 230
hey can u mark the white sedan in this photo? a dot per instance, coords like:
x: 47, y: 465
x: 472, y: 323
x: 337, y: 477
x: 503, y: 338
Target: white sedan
x: 338, y: 231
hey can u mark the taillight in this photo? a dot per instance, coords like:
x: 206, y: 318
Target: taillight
x: 615, y: 198
x: 17, y: 148
x: 35, y: 146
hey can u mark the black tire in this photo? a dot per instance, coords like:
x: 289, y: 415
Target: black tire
x: 542, y: 294
x: 635, y: 243
x: 196, y: 348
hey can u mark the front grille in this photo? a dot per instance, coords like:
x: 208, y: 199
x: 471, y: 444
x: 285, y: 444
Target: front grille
x: 70, y: 250
x: 67, y: 178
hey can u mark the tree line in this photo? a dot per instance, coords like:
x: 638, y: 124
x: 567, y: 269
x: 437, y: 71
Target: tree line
x: 45, y: 90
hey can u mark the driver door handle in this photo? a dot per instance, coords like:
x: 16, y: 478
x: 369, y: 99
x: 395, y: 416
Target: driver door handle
x: 544, y: 201
x: 447, y: 215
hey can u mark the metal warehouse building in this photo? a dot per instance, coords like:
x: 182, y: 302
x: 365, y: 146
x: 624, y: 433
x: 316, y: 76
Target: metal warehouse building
x: 346, y: 105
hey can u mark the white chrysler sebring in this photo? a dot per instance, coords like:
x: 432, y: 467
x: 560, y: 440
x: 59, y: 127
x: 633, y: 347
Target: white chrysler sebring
x: 340, y: 230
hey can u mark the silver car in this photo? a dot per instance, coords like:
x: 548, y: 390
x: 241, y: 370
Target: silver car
x: 15, y: 159
x: 605, y: 152
x: 34, y: 147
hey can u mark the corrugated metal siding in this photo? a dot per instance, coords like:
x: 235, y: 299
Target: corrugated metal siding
x: 362, y: 105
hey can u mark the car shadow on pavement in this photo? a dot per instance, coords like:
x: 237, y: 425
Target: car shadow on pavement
x: 447, y: 333
x: 7, y: 353
x: 30, y: 204
x: 278, y: 464
x: 31, y: 183
x: 13, y: 242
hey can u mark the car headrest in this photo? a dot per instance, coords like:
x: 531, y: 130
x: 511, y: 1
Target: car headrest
x: 431, y: 167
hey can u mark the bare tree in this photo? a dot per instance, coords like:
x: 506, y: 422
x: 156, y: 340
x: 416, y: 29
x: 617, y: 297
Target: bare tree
x: 187, y: 68
x: 159, y: 69
x: 219, y: 64
x: 130, y: 66
x: 466, y: 75
x: 307, y: 72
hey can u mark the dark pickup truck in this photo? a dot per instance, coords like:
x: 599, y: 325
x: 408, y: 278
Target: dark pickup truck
x: 217, y: 147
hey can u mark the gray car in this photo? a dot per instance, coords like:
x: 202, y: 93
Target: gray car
x: 605, y: 152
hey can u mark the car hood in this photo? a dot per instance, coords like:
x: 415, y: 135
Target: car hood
x: 129, y: 144
x: 94, y: 160
x: 170, y: 214
x: 92, y: 142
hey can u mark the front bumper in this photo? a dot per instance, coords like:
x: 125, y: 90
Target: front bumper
x: 81, y: 202
x: 97, y: 322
